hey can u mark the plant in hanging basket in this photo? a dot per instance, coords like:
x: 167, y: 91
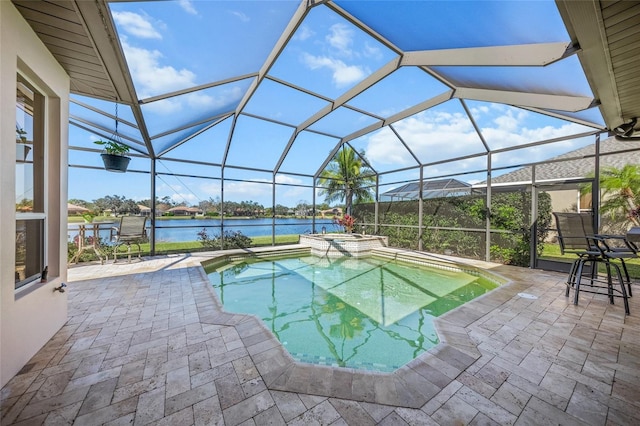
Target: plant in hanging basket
x: 114, y: 157
x: 22, y: 149
x: 21, y: 135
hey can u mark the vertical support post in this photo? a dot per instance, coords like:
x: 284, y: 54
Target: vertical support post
x: 377, y: 206
x: 533, y: 223
x: 313, y: 200
x: 488, y: 209
x: 595, y: 188
x: 273, y: 209
x: 152, y: 234
x: 420, y: 210
x: 222, y: 206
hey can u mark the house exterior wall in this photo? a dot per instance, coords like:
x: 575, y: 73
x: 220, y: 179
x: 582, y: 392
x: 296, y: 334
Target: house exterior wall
x: 564, y: 200
x: 29, y: 317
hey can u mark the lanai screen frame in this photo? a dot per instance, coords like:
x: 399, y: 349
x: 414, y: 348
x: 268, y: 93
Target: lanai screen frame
x: 522, y: 55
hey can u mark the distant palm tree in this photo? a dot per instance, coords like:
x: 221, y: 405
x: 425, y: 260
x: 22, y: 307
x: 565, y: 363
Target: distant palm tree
x: 347, y: 178
x: 620, y: 192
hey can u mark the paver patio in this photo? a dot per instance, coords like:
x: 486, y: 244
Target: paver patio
x: 147, y: 343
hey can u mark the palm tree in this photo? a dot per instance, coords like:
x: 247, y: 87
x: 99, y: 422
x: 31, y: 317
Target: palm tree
x: 347, y: 177
x: 620, y: 189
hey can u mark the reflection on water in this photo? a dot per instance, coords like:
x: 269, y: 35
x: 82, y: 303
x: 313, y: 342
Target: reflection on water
x: 369, y: 313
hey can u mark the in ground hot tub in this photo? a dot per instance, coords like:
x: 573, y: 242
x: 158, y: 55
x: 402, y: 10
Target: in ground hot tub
x: 334, y: 245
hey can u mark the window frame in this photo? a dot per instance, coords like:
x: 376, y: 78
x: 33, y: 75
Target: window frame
x: 32, y: 273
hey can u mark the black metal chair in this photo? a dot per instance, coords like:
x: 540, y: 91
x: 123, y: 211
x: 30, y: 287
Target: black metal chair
x: 575, y: 235
x: 615, y: 247
x: 132, y: 230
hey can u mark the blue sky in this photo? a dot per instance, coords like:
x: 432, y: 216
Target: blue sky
x: 176, y: 45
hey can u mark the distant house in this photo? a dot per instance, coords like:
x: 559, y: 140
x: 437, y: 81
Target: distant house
x: 75, y: 210
x: 185, y: 211
x: 560, y: 176
x: 336, y: 211
x: 144, y: 210
x: 562, y: 179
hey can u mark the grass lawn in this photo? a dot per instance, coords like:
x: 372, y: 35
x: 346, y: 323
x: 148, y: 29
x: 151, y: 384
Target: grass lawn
x: 552, y: 252
x: 181, y: 247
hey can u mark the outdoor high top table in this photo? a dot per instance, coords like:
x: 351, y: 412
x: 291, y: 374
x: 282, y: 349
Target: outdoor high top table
x: 633, y: 234
x: 90, y: 241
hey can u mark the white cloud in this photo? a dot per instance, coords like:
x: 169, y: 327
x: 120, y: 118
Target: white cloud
x: 240, y: 15
x: 287, y: 179
x: 163, y: 107
x: 187, y: 6
x: 258, y: 190
x: 186, y: 198
x: 340, y: 37
x: 343, y: 74
x: 201, y: 100
x: 136, y: 25
x: 511, y: 120
x: 383, y: 149
x: 152, y: 77
x: 177, y: 193
x: 248, y: 190
x: 290, y: 194
x: 371, y: 51
x: 303, y: 33
x: 428, y: 135
x: 437, y: 135
x: 211, y: 189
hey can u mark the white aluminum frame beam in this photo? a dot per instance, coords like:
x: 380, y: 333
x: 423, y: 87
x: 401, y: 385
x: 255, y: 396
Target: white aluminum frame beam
x: 533, y: 100
x: 530, y: 55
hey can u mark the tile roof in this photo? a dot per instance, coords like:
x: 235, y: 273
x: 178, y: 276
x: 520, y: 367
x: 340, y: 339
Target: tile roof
x: 581, y: 165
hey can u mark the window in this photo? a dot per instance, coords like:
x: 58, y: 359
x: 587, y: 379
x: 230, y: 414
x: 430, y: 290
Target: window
x: 30, y: 193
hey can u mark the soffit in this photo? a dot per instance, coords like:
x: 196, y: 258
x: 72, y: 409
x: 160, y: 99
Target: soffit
x: 69, y: 30
x: 608, y: 33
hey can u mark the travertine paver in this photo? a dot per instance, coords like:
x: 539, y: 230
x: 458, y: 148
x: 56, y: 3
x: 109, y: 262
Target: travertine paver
x: 148, y: 343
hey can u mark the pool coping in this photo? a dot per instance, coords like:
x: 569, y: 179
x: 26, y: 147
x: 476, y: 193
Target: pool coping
x: 412, y: 385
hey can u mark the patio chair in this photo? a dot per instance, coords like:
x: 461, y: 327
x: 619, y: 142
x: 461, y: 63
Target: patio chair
x: 616, y: 247
x: 592, y: 250
x: 132, y: 230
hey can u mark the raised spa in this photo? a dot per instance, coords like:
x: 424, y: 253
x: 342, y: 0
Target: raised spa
x: 370, y: 313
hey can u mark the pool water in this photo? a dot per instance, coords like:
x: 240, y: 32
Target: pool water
x: 363, y: 313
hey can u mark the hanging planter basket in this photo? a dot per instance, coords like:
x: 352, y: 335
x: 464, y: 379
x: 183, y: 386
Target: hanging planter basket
x: 114, y: 156
x: 115, y: 163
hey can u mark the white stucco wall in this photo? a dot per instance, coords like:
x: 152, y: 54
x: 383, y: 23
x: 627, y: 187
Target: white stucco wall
x: 29, y: 318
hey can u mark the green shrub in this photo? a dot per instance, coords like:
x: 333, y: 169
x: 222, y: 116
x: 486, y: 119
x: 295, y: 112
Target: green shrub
x: 510, y: 212
x: 232, y: 239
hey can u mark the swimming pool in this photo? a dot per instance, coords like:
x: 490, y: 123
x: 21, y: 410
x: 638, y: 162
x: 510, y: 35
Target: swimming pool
x: 366, y: 313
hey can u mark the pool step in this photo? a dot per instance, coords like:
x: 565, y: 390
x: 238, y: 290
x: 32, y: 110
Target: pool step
x: 272, y: 252
x: 413, y: 257
x: 256, y: 253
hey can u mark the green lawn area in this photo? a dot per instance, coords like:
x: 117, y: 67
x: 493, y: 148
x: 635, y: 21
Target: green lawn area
x: 182, y: 247
x: 552, y: 252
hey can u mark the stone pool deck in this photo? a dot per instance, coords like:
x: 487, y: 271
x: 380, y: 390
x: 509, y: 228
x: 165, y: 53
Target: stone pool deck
x: 147, y: 343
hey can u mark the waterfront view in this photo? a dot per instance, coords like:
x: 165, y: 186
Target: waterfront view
x: 184, y: 230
